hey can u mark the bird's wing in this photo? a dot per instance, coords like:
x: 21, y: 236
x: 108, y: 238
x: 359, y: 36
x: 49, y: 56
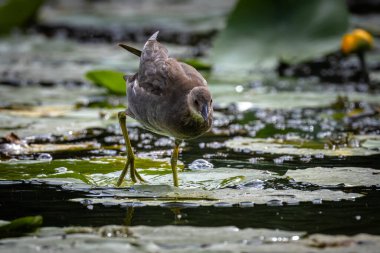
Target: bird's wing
x: 159, y: 74
x: 192, y: 74
x: 152, y: 75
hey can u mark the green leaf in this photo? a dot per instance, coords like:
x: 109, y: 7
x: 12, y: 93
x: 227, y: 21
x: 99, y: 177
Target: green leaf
x: 18, y: 13
x: 20, y: 226
x: 259, y: 33
x: 197, y: 64
x: 112, y: 80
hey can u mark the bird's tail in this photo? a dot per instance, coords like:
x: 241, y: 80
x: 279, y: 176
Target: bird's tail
x: 136, y: 51
x: 130, y: 49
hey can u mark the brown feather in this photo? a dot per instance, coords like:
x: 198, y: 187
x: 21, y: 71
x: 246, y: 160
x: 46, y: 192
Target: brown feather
x: 161, y: 95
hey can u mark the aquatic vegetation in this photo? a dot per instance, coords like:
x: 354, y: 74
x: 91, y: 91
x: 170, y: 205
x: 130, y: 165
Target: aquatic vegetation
x: 291, y: 162
x: 255, y: 36
x: 20, y: 226
x: 17, y: 14
x: 112, y: 80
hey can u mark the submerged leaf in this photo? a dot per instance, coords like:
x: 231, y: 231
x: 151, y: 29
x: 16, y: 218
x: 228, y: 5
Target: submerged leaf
x: 111, y: 80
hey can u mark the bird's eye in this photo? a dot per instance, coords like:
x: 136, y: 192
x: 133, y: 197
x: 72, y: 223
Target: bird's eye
x: 196, y: 102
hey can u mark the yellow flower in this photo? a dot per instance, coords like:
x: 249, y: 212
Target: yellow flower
x: 358, y: 40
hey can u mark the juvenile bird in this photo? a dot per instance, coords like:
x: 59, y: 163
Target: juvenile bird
x: 167, y: 97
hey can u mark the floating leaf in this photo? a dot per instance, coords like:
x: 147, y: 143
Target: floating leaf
x: 197, y: 64
x: 18, y: 13
x: 270, y: 146
x: 112, y: 80
x: 144, y: 194
x: 258, y: 33
x: 20, y: 226
x: 349, y: 176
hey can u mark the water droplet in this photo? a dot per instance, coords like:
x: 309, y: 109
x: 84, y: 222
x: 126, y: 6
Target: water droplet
x: 281, y: 159
x: 86, y: 202
x: 61, y: 170
x: 239, y: 88
x: 319, y: 156
x: 90, y: 207
x: 358, y: 217
x: 201, y: 164
x: 295, y: 238
x: 44, y: 157
x: 316, y: 201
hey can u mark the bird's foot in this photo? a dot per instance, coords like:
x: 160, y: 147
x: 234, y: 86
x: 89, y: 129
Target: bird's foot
x: 134, y: 175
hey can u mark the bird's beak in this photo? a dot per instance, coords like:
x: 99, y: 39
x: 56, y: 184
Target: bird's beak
x: 204, y: 112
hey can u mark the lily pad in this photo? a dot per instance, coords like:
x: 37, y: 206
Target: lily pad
x: 111, y: 80
x: 96, y: 172
x: 18, y: 13
x: 258, y: 33
x: 20, y: 226
x: 372, y: 144
x: 348, y: 176
x: 270, y: 146
x: 160, y: 194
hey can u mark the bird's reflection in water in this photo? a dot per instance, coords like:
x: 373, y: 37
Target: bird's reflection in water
x: 179, y: 217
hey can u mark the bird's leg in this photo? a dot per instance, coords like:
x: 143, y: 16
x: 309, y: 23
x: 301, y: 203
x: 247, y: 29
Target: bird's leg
x: 128, y: 219
x: 130, y: 156
x: 173, y: 161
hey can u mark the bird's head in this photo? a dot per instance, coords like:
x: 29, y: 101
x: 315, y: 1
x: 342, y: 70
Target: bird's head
x: 200, y: 103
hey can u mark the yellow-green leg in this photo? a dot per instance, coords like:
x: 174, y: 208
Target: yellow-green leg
x: 128, y: 219
x: 173, y: 162
x: 130, y: 156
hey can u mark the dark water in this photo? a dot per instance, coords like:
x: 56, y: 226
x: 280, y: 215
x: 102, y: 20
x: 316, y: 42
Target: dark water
x: 341, y: 217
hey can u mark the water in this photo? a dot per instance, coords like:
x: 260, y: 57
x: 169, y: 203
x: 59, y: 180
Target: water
x: 337, y: 217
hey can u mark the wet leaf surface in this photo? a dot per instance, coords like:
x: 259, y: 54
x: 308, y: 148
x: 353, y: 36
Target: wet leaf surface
x: 347, y: 176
